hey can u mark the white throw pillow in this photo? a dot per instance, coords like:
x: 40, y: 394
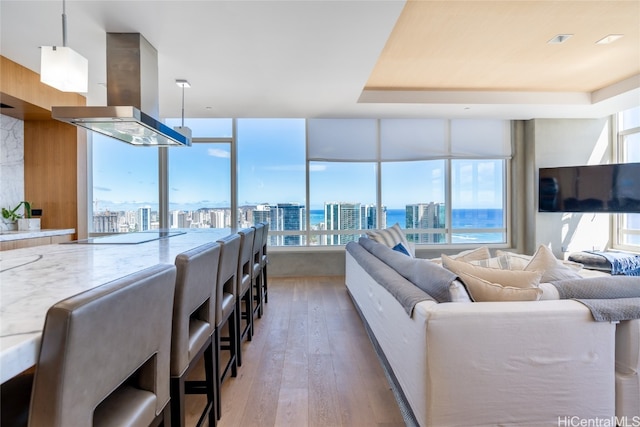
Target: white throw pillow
x: 477, y: 254
x: 520, y: 261
x: 551, y: 267
x: 458, y: 292
x: 502, y: 262
x: 390, y: 237
x: 484, y: 291
x: 517, y: 279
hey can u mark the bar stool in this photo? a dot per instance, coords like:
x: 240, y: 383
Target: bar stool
x: 265, y: 261
x: 244, y: 293
x: 225, y: 310
x: 104, y: 357
x: 257, y: 268
x: 194, y: 319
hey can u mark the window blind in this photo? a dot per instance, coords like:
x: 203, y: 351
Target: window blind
x: 407, y: 139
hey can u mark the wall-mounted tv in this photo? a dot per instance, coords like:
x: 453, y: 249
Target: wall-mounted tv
x: 599, y: 188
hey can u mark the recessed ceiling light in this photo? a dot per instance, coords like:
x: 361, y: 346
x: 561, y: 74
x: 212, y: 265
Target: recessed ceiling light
x: 610, y: 38
x: 560, y: 38
x: 182, y: 83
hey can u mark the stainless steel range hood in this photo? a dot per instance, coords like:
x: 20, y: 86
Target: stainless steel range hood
x: 132, y: 97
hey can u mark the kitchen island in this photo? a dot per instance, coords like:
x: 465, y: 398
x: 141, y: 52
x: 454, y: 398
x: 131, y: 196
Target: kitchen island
x: 33, y: 279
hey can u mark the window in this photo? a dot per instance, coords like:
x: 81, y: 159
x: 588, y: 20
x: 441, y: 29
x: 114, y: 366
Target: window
x: 628, y: 225
x: 125, y: 186
x: 200, y: 186
x: 442, y: 180
x: 271, y: 177
x: 315, y: 181
x: 343, y: 198
x: 477, y: 201
x: 414, y: 196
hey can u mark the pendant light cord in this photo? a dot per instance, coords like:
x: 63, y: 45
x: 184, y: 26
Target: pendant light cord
x: 183, y: 105
x: 64, y: 24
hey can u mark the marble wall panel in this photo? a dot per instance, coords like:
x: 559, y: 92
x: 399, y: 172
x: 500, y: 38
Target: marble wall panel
x: 11, y: 163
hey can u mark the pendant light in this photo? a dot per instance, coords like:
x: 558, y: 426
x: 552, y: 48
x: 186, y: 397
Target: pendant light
x: 63, y: 68
x: 184, y: 130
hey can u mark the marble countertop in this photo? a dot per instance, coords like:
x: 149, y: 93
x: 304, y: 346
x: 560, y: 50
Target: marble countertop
x: 33, y: 279
x: 6, y: 236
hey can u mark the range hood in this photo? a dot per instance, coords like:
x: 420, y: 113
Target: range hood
x: 132, y: 97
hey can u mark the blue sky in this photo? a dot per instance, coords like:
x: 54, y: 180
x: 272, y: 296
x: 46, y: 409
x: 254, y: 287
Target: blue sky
x: 271, y: 169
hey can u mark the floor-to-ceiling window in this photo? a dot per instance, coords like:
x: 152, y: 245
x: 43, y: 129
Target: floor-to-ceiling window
x: 199, y: 177
x: 271, y: 177
x: 124, y: 186
x: 321, y: 181
x: 628, y: 224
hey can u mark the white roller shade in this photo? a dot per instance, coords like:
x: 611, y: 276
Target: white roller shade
x: 413, y: 139
x: 342, y: 139
x: 480, y: 139
x: 407, y: 139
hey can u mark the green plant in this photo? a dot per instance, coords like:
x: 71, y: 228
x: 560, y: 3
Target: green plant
x: 13, y: 215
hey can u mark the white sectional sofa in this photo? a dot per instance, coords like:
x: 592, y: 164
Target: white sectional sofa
x: 521, y: 363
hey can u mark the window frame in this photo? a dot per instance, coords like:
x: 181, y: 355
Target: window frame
x: 618, y: 230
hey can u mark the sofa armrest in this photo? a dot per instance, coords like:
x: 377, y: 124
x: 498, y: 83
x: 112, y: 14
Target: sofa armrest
x: 530, y: 361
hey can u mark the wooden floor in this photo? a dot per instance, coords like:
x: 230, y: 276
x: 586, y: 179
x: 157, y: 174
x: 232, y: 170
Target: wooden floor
x: 310, y: 364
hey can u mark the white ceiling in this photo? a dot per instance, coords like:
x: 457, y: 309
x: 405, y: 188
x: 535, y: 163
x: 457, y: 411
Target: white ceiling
x: 310, y: 58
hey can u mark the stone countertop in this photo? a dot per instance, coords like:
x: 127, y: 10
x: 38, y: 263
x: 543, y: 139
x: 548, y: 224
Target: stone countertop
x: 33, y: 279
x: 6, y: 236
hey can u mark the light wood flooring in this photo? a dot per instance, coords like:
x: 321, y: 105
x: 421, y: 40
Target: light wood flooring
x: 310, y: 364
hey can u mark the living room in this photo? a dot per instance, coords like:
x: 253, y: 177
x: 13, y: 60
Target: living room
x: 268, y: 77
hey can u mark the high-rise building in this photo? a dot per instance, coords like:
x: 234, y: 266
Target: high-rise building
x: 288, y: 217
x: 426, y: 216
x: 217, y: 218
x: 105, y: 222
x: 342, y: 216
x: 143, y: 219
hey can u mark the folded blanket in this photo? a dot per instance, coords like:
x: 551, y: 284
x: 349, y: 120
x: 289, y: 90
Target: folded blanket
x: 610, y: 298
x: 621, y: 263
x: 406, y: 294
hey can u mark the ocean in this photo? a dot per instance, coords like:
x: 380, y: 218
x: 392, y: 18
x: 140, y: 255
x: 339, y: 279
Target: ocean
x: 461, y: 218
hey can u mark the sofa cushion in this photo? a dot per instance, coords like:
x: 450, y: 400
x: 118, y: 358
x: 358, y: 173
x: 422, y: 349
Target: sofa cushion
x: 484, y: 291
x: 390, y: 237
x: 517, y: 279
x: 430, y: 277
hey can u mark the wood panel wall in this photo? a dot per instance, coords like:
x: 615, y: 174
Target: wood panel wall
x: 55, y: 160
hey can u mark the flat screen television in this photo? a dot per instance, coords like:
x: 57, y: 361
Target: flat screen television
x: 613, y: 188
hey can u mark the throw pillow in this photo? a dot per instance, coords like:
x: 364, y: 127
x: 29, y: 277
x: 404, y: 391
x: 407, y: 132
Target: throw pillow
x: 517, y: 279
x: 469, y: 255
x: 400, y: 248
x: 520, y: 261
x: 484, y: 291
x: 502, y: 262
x: 458, y: 292
x: 551, y: 267
x: 390, y: 237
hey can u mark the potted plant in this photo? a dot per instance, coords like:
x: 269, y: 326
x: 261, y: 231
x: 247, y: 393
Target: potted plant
x: 25, y: 221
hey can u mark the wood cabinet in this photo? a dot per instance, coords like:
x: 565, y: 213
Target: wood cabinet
x: 35, y: 241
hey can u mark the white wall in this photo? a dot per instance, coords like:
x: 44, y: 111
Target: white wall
x: 566, y: 142
x: 11, y: 163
